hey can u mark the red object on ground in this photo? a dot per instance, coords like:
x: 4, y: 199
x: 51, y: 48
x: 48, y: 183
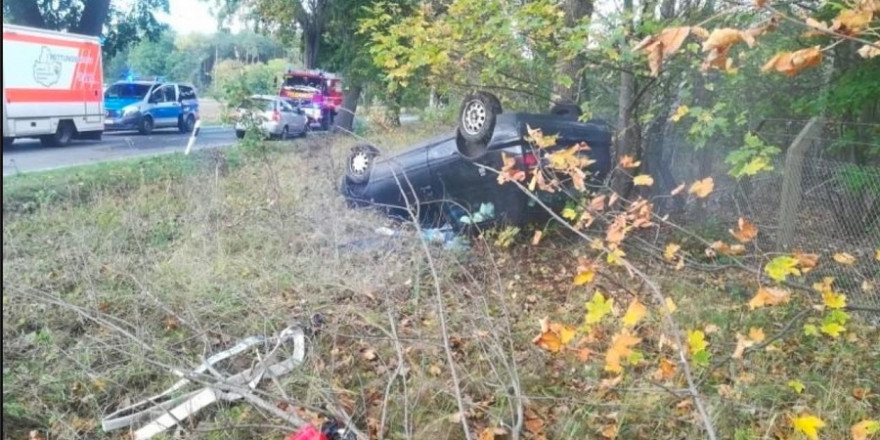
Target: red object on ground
x: 307, y: 432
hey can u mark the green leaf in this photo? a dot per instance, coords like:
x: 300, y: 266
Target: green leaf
x: 780, y: 267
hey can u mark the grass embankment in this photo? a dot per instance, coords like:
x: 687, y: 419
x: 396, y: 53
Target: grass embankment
x: 115, y: 272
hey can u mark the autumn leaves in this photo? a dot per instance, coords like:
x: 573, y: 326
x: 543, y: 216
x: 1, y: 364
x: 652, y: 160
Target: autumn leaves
x: 851, y: 22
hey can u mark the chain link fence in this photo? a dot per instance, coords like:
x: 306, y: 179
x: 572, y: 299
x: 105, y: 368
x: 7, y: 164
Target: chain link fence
x: 813, y: 200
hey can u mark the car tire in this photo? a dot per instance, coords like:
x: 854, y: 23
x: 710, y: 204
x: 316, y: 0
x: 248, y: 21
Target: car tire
x: 146, y: 125
x: 360, y: 163
x: 187, y: 124
x: 567, y: 109
x: 476, y: 117
x: 239, y: 134
x: 306, y: 129
x: 62, y: 137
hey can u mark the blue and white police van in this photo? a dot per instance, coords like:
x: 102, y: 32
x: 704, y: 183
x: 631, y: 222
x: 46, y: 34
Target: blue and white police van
x: 148, y: 104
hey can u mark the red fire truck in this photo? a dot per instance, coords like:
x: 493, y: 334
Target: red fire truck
x: 318, y: 93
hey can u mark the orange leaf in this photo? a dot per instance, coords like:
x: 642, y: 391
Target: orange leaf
x: 791, y: 63
x: 806, y: 261
x: 621, y: 348
x: 598, y: 203
x: 851, y: 22
x: 722, y: 39
x: 666, y: 371
x: 657, y: 47
x: 702, y: 188
x: 627, y: 161
x: 634, y: 313
x: 769, y: 296
x: 553, y: 336
x: 745, y: 231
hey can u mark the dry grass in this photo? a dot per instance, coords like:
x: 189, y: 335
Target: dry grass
x: 187, y: 264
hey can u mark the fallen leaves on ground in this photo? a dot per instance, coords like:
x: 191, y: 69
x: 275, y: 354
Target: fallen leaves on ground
x: 554, y: 336
x: 745, y: 231
x: 597, y: 308
x: 627, y: 162
x: 808, y: 425
x: 806, y: 262
x: 781, y: 267
x: 863, y: 429
x: 621, y: 347
x: 769, y: 296
x: 796, y: 385
x: 670, y: 251
x: 634, y: 313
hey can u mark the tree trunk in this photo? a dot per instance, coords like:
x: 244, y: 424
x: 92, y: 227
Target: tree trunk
x: 571, y: 67
x: 345, y: 118
x: 312, y: 42
x: 93, y: 17
x: 626, y: 142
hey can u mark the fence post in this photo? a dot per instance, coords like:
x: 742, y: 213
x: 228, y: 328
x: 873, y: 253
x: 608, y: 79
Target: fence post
x: 193, y: 136
x: 792, y: 190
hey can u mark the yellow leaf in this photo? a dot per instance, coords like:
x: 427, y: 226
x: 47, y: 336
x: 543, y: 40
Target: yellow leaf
x: 796, y: 385
x: 808, y: 425
x: 702, y: 188
x: 844, y: 258
x: 769, y: 296
x: 781, y: 267
x: 877, y: 255
x: 745, y: 231
x: 824, y: 285
x: 670, y: 305
x: 834, y: 300
x: 569, y: 213
x: 756, y: 334
x: 615, y: 257
x: 621, y: 348
x: 811, y: 330
x: 832, y: 329
x: 634, y: 313
x: 680, y: 112
x: 584, y: 277
x: 697, y: 341
x: 671, y: 249
x: 598, y: 307
x: 643, y: 180
x: 865, y: 428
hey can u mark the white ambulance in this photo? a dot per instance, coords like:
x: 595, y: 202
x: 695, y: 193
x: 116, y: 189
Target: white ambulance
x: 52, y: 86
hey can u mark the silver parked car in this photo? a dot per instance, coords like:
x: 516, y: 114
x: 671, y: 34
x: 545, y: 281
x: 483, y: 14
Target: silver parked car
x: 277, y: 118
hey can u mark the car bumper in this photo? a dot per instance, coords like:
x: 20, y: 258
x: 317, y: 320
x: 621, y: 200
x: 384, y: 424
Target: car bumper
x: 127, y: 122
x: 270, y: 127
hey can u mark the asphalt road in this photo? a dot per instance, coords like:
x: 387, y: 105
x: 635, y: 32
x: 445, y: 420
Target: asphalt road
x: 28, y: 155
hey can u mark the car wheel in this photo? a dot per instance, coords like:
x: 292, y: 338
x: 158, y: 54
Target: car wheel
x: 360, y: 163
x: 63, y: 135
x: 239, y: 134
x: 476, y: 117
x: 566, y: 109
x: 146, y: 126
x: 187, y: 124
x: 325, y: 120
x: 306, y: 129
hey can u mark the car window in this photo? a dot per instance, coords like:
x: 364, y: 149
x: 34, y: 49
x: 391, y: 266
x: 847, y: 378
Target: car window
x: 170, y: 94
x: 158, y: 95
x: 187, y: 93
x: 127, y: 91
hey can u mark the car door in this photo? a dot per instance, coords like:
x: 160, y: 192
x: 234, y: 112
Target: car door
x: 161, y: 109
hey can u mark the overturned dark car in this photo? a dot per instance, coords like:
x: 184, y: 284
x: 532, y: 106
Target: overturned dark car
x: 453, y: 179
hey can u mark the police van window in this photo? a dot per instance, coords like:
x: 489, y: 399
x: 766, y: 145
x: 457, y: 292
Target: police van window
x: 170, y: 96
x: 187, y: 93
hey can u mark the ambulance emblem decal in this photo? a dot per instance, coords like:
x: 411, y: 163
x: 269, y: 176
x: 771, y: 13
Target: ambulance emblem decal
x: 47, y: 71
